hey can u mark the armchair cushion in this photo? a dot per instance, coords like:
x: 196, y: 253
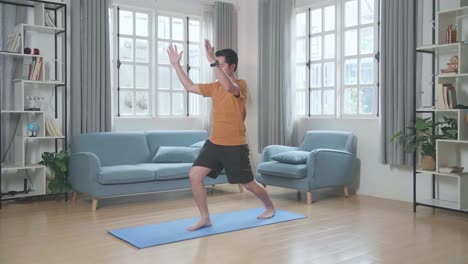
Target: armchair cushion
x: 167, y: 154
x: 274, y: 168
x: 198, y: 144
x: 292, y: 157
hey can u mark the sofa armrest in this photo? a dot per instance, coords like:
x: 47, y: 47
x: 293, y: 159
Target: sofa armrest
x: 271, y: 150
x: 329, y: 167
x: 83, y: 170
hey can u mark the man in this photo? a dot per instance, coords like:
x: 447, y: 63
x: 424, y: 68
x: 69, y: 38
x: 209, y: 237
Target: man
x: 227, y: 145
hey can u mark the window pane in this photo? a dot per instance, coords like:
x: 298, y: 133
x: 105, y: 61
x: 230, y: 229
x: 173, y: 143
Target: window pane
x: 164, y: 78
x: 329, y: 74
x: 126, y: 49
x: 316, y: 48
x: 141, y: 24
x: 329, y: 46
x: 367, y: 11
x: 126, y: 22
x: 194, y: 104
x: 177, y: 29
x: 301, y: 24
x: 178, y: 104
x: 176, y: 84
x: 141, y: 50
x: 351, y: 13
x: 126, y: 102
x: 316, y: 102
x: 350, y: 101
x: 164, y: 29
x: 350, y: 42
x: 194, y: 53
x: 141, y: 103
x: 141, y: 77
x: 316, y: 21
x: 164, y: 103
x: 301, y: 82
x: 366, y: 40
x: 366, y: 100
x: 194, y: 75
x: 350, y: 72
x: 163, y: 58
x: 316, y: 75
x: 329, y: 17
x: 126, y: 76
x: 180, y: 47
x: 194, y: 30
x: 301, y: 50
x: 366, y: 71
x: 329, y: 102
x: 300, y: 102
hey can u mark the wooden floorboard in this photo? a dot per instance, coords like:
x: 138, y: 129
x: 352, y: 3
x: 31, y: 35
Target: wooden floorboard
x: 359, y: 229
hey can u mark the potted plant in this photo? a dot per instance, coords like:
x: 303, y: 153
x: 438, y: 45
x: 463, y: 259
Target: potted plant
x: 58, y: 165
x: 420, y: 137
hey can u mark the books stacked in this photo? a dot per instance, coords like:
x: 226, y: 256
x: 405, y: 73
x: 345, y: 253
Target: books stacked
x: 35, y: 69
x: 14, y: 43
x: 48, y: 21
x: 446, y: 96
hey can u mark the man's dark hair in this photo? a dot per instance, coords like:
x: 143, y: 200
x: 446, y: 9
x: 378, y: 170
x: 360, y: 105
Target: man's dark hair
x: 230, y: 56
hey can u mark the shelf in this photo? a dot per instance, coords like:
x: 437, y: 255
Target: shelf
x: 435, y: 48
x: 17, y: 54
x: 42, y: 29
x: 39, y: 82
x: 455, y: 12
x: 18, y: 167
x: 441, y: 173
x: 452, y: 75
x: 34, y: 138
x: 49, y: 4
x: 453, y: 141
x: 422, y: 110
x: 442, y: 204
x: 21, y: 112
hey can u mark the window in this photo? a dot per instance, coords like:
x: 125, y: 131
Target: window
x: 172, y: 97
x: 336, y: 73
x: 148, y: 84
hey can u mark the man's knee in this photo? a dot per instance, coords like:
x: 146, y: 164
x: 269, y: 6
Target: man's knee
x: 196, y: 175
x: 250, y: 185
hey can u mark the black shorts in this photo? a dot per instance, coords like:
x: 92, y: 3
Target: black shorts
x: 234, y: 160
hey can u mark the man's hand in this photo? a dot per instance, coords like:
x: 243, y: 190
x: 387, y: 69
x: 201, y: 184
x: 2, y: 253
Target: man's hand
x: 174, y: 56
x: 209, y: 50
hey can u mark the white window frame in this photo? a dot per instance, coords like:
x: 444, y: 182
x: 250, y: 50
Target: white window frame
x: 339, y: 59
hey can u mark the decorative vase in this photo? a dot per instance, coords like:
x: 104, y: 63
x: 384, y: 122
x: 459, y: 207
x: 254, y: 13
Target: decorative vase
x: 427, y: 163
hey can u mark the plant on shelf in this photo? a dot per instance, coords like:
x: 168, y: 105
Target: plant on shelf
x: 423, y: 139
x: 58, y: 165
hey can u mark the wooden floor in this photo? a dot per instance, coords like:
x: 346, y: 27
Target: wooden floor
x: 355, y: 230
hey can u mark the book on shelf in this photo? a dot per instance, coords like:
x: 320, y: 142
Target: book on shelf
x: 446, y: 96
x: 13, y: 43
x: 35, y: 69
x: 48, y: 20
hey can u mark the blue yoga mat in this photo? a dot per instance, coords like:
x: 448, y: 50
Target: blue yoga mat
x: 174, y: 231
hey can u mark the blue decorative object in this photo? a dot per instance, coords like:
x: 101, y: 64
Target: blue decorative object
x: 33, y: 127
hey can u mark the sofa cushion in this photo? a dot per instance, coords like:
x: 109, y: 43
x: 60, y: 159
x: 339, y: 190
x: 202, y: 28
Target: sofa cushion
x: 168, y: 171
x: 176, y: 155
x: 199, y: 144
x: 275, y: 168
x: 124, y: 174
x: 292, y: 157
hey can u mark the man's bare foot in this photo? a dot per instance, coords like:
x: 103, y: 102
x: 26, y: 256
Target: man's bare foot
x: 268, y: 213
x: 200, y: 224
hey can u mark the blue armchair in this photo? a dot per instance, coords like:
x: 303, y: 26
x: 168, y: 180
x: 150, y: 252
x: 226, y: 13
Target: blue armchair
x: 324, y: 159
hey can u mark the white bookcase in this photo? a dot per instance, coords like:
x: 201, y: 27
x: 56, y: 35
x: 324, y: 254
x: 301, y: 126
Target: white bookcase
x: 20, y: 168
x: 450, y: 190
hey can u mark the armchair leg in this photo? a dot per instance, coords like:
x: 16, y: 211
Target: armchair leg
x: 309, y: 197
x: 346, y: 191
x: 94, y: 205
x: 241, y: 189
x: 73, y: 198
x: 298, y: 195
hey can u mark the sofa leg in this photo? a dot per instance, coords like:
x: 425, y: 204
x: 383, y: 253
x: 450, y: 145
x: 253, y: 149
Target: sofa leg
x: 241, y: 189
x: 346, y: 191
x: 94, y: 205
x: 298, y: 195
x: 264, y: 185
x: 309, y: 197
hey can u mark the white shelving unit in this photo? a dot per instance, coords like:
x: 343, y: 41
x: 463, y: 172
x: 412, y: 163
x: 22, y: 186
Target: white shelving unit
x: 20, y: 168
x: 449, y: 152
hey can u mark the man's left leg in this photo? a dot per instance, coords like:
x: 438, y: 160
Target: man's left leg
x: 262, y: 194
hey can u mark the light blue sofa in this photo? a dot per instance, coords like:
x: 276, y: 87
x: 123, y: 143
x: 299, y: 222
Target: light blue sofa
x: 120, y: 163
x: 324, y: 159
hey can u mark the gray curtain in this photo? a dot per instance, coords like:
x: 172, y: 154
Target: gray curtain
x: 225, y: 26
x: 90, y: 67
x: 398, y: 77
x: 274, y: 92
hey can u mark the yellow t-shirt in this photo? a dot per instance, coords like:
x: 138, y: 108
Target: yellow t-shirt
x: 228, y: 114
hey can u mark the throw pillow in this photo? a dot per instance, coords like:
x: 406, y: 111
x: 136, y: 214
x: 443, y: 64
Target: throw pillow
x: 166, y: 154
x: 198, y: 144
x: 292, y: 157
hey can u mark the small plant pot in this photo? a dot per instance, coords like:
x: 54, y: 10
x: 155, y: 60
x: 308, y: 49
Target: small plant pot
x: 427, y: 163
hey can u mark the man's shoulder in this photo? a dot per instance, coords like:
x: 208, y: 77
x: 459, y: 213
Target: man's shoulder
x: 242, y: 82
